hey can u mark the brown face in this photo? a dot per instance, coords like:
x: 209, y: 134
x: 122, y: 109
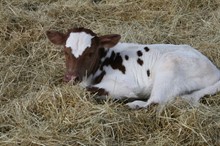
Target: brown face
x: 82, y: 49
x: 82, y: 66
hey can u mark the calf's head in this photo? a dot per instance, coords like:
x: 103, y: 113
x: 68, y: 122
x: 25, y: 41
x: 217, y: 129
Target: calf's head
x: 82, y: 49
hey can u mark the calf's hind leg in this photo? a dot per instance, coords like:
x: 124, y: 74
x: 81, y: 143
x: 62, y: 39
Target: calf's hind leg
x: 195, y: 96
x: 166, y: 86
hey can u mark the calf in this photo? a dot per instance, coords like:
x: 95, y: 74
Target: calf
x: 161, y: 72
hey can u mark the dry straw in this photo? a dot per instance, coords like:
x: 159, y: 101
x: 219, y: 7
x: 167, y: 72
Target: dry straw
x: 36, y: 108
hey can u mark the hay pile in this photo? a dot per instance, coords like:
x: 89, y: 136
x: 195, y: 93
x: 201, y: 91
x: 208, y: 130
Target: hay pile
x: 36, y: 108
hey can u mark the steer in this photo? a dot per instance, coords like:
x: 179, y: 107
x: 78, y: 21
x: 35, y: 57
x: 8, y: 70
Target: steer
x: 157, y: 72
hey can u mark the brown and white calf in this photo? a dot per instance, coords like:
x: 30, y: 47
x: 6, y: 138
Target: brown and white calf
x: 159, y: 72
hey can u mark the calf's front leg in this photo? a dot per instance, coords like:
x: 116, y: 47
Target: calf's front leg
x: 97, y: 91
x: 100, y: 93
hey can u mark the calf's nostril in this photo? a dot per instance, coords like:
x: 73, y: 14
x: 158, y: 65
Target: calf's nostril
x: 69, y: 77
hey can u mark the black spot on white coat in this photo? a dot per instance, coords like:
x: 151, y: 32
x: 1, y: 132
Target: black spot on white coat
x: 148, y: 72
x: 126, y: 57
x: 115, y: 61
x: 146, y: 49
x: 139, y: 53
x: 99, y: 78
x: 140, y: 62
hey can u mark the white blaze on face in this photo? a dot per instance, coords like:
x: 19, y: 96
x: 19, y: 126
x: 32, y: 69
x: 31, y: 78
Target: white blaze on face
x: 78, y: 42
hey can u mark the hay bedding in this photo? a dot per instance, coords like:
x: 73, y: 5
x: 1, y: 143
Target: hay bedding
x: 36, y: 108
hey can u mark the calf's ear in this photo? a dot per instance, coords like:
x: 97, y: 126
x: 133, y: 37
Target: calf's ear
x: 109, y: 41
x: 56, y: 37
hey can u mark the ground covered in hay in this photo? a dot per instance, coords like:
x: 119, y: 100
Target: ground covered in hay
x: 37, y: 108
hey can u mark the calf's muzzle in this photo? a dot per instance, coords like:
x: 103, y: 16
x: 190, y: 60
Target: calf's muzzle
x: 71, y: 77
